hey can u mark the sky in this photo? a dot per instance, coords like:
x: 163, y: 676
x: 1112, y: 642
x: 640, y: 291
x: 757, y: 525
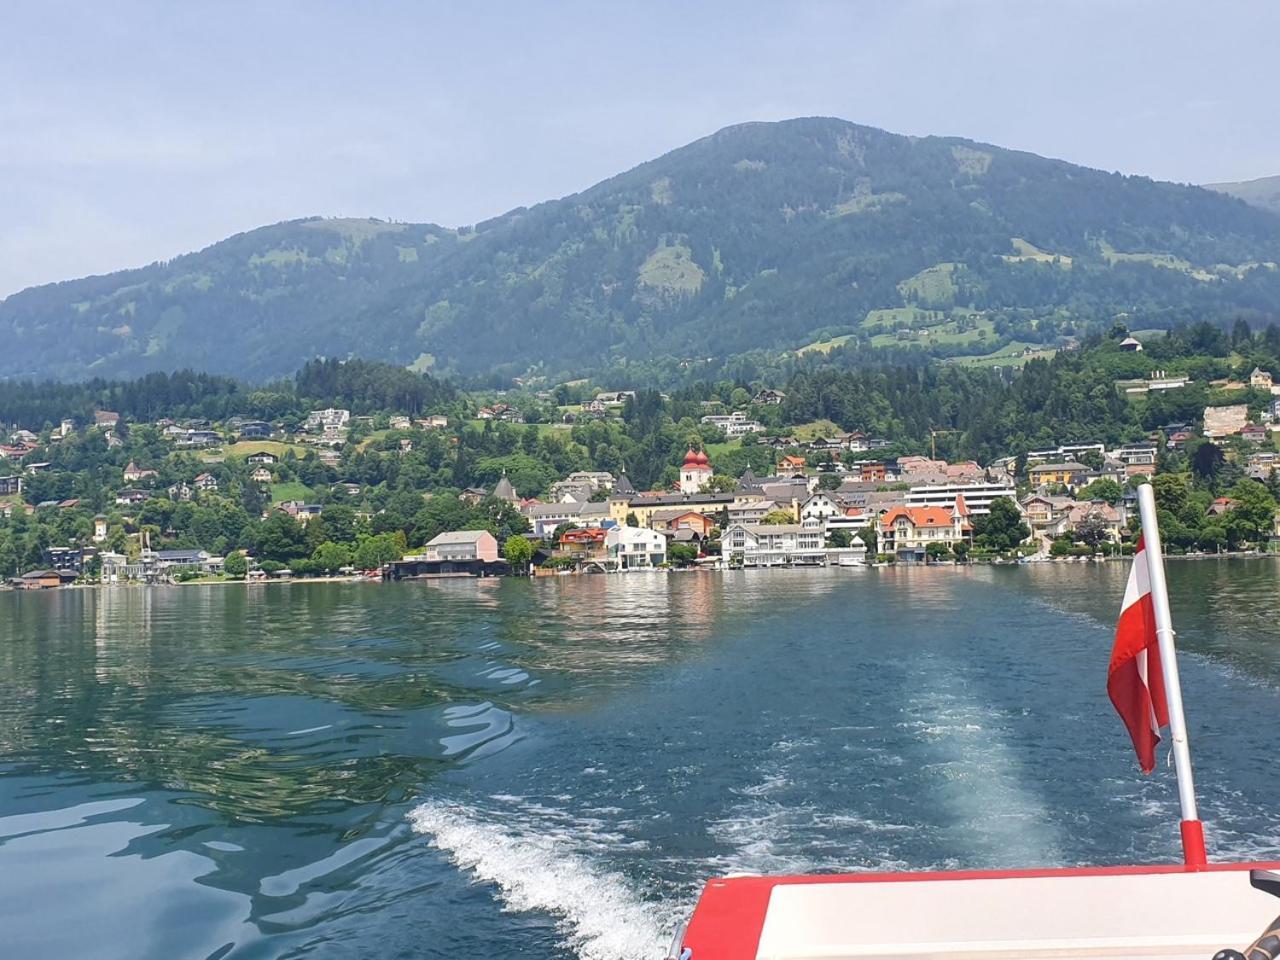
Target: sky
x: 135, y: 131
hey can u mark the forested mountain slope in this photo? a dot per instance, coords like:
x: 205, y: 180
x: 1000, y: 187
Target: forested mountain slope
x: 764, y: 236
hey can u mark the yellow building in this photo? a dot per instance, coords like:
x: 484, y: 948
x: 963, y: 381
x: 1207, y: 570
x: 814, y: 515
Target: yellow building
x: 1066, y: 474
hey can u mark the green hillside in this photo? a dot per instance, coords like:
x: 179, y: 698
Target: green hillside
x: 761, y: 237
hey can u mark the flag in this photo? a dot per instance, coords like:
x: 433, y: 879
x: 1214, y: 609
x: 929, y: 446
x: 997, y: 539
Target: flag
x: 1135, y: 681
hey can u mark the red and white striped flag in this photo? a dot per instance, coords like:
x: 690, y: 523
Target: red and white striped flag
x: 1135, y: 681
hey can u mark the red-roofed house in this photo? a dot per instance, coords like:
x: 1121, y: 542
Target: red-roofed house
x: 908, y: 531
x: 584, y: 543
x: 791, y: 466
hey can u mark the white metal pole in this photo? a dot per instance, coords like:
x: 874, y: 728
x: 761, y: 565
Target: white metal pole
x: 1169, y: 665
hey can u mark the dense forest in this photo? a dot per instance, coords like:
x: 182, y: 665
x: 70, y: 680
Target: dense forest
x: 750, y: 243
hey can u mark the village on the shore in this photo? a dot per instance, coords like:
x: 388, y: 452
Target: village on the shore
x: 831, y: 500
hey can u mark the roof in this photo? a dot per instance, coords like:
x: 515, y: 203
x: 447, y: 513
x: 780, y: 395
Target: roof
x: 623, y: 485
x: 764, y: 529
x: 935, y: 517
x: 180, y: 554
x: 569, y: 509
x: 457, y: 536
x: 1058, y: 467
x: 673, y: 499
x: 584, y: 535
x: 503, y: 489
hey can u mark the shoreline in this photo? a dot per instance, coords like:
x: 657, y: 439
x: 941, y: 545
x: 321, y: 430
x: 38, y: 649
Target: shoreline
x: 1233, y: 555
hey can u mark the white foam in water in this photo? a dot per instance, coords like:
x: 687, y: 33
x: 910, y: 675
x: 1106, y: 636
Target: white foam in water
x: 536, y: 869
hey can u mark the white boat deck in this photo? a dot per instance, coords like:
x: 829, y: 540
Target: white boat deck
x: 1103, y: 915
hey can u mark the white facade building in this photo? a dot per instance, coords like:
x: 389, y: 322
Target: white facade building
x: 977, y: 496
x: 774, y: 545
x: 734, y: 424
x: 330, y: 419
x: 634, y: 548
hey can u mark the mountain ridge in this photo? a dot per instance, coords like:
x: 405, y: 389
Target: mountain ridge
x: 1264, y: 192
x: 758, y: 237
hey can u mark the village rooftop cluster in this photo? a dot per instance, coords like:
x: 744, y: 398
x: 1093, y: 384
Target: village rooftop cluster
x: 828, y: 501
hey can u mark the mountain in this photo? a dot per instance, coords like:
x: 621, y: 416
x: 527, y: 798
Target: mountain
x: 761, y: 237
x: 1263, y: 193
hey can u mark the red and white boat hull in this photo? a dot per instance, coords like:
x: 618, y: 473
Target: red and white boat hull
x: 1103, y: 913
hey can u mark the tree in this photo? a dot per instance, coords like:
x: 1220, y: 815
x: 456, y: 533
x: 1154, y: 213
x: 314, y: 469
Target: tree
x: 372, y: 551
x: 1092, y: 531
x: 720, y: 484
x: 236, y: 566
x: 868, y: 536
x: 682, y: 554
x: 778, y: 517
x: 280, y: 538
x: 1206, y: 461
x: 518, y: 551
x: 937, y: 551
x: 331, y: 557
x: 1002, y: 528
x: 1103, y: 488
x: 1254, y: 513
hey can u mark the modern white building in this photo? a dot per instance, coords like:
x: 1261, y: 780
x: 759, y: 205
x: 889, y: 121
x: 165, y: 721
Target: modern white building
x: 775, y: 545
x: 330, y: 418
x: 734, y: 424
x: 977, y: 496
x: 1065, y: 451
x: 633, y: 548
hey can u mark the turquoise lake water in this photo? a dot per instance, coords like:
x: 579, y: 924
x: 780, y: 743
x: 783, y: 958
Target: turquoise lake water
x: 549, y: 769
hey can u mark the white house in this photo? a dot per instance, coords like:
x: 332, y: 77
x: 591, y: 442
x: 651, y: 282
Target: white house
x: 463, y: 545
x: 734, y: 424
x: 774, y: 545
x: 633, y: 548
x: 330, y: 418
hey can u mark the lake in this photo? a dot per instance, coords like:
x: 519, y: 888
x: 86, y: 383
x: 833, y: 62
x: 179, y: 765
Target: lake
x: 549, y: 769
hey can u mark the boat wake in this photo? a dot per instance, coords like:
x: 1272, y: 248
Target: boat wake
x: 538, y: 867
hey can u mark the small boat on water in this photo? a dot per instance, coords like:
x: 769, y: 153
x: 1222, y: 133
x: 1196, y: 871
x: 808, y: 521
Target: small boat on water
x: 1194, y: 910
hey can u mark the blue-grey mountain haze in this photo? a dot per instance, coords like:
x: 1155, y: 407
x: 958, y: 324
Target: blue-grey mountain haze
x: 135, y: 131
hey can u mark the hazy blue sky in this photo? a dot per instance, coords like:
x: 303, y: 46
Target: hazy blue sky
x: 132, y: 131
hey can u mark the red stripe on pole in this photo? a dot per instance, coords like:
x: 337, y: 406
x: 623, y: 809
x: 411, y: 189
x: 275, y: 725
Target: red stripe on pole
x: 1193, y: 854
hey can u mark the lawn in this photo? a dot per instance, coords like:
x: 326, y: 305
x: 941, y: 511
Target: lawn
x: 289, y: 491
x: 947, y: 332
x: 815, y: 430
x: 556, y: 428
x: 824, y: 346
x: 720, y: 449
x: 1010, y: 355
x: 375, y: 435
x: 245, y: 448
x: 910, y: 316
x: 933, y: 286
x: 1025, y: 251
x: 1165, y: 260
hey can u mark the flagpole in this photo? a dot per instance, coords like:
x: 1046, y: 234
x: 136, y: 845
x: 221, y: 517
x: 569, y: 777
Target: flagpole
x: 1193, y: 852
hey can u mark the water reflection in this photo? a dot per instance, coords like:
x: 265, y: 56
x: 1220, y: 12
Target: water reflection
x: 235, y: 767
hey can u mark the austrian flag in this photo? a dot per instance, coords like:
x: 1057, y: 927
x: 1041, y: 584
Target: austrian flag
x: 1135, y: 681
